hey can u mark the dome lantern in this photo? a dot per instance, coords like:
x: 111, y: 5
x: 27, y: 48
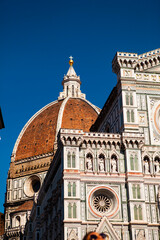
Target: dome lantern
x: 71, y: 83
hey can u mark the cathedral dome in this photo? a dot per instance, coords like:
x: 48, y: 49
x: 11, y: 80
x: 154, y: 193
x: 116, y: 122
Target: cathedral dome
x: 71, y: 111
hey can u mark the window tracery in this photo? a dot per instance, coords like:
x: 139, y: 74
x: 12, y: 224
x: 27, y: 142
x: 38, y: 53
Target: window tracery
x: 71, y: 160
x: 138, y: 212
x: 72, y: 210
x: 71, y: 189
x: 134, y: 162
x: 136, y: 191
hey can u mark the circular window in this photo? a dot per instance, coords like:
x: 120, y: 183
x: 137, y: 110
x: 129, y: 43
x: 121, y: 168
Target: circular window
x: 103, y: 201
x: 32, y: 185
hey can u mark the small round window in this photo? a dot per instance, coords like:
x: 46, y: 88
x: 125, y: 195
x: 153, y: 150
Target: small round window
x: 32, y: 185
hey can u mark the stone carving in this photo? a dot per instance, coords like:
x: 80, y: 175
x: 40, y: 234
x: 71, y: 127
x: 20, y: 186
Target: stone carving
x: 127, y: 73
x: 114, y: 164
x: 140, y: 235
x: 101, y: 164
x: 146, y: 166
x: 89, y: 163
x: 156, y: 166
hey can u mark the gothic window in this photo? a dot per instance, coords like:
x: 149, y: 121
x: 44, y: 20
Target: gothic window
x: 72, y: 210
x: 132, y: 116
x: 89, y: 162
x: 135, y: 213
x: 69, y: 160
x: 136, y: 191
x: 128, y: 116
x: 138, y: 212
x: 131, y: 162
x: 69, y: 210
x: 134, y: 162
x: 69, y: 189
x: 129, y: 99
x: 72, y: 189
x: 73, y: 160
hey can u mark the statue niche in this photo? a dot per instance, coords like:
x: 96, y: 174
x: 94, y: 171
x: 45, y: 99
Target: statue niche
x: 89, y: 162
x: 101, y: 163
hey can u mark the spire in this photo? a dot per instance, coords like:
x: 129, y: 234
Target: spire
x: 71, y: 83
x: 71, y: 72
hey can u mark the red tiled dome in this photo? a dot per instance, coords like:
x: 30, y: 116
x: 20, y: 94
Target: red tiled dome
x: 39, y: 134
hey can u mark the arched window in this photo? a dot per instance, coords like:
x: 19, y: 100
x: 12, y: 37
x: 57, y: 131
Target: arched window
x: 140, y: 212
x: 136, y: 162
x: 131, y: 162
x: 127, y: 99
x: 69, y: 189
x: 73, y: 160
x: 74, y: 211
x: 136, y: 191
x: 128, y: 116
x: 135, y: 213
x: 74, y: 189
x: 131, y: 99
x: 69, y: 210
x: 69, y: 160
x: 132, y: 116
x: 72, y: 90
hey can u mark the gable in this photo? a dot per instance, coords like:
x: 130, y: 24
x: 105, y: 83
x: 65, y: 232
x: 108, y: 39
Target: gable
x: 106, y: 227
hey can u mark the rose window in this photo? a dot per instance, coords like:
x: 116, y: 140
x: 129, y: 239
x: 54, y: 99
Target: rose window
x: 101, y: 203
x: 103, y: 200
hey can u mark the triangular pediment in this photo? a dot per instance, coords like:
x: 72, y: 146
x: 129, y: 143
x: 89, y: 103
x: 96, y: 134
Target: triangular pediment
x: 106, y: 227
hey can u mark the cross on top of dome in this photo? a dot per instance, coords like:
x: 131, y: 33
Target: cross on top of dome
x: 71, y: 61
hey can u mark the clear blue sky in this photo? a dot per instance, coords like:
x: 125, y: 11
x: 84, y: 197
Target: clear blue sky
x: 36, y: 39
